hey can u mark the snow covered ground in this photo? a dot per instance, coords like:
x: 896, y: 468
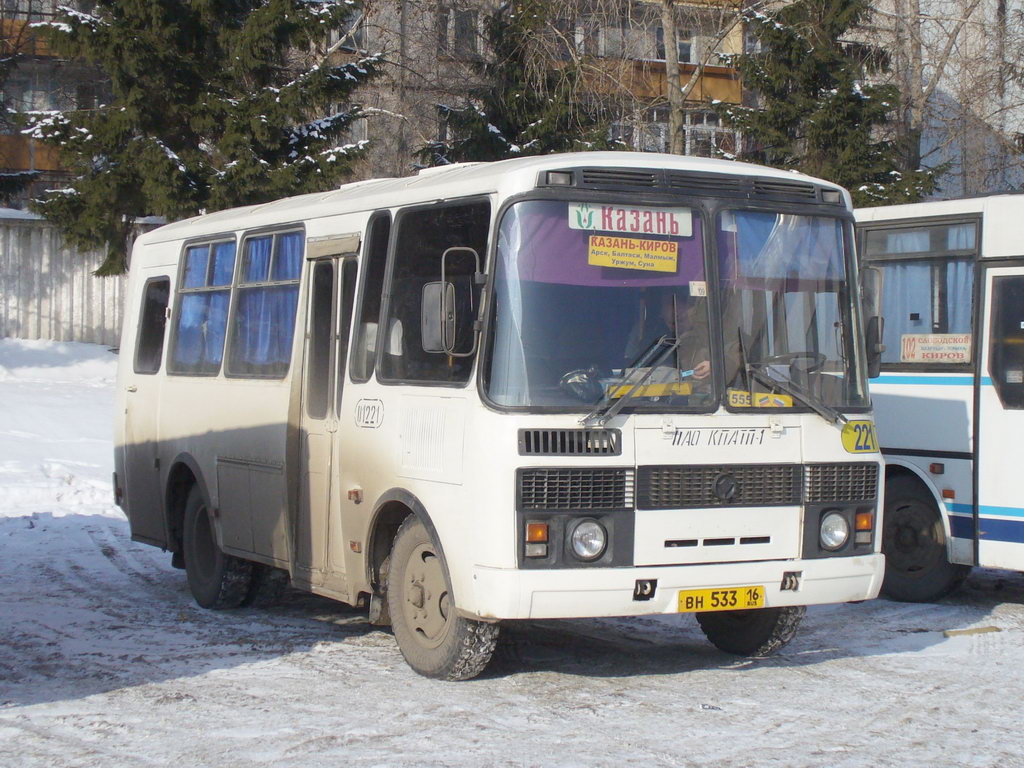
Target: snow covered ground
x: 106, y: 661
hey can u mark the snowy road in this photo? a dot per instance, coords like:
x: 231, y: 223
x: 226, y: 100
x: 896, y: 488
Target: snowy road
x: 106, y: 661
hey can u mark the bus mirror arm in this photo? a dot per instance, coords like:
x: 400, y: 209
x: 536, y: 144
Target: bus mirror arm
x: 874, y: 346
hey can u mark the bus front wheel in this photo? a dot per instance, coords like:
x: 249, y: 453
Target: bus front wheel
x: 433, y: 638
x: 756, y: 632
x: 216, y: 579
x: 917, y: 568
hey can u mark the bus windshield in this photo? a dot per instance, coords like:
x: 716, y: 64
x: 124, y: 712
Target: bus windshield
x: 788, y: 315
x: 597, y: 303
x: 589, y: 299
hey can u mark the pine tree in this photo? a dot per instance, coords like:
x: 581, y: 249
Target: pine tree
x: 211, y: 108
x: 526, y: 106
x: 814, y: 111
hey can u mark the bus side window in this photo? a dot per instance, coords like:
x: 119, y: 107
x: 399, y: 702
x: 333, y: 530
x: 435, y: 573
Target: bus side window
x: 1006, y: 353
x: 152, y: 322
x: 927, y: 291
x: 268, y: 295
x: 202, y: 318
x: 423, y: 236
x: 364, y: 342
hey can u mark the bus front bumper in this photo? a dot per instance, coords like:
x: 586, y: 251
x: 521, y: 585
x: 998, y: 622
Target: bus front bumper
x: 591, y: 592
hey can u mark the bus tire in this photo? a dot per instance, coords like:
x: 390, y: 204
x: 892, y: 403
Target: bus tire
x: 435, y: 641
x: 917, y: 568
x: 216, y: 580
x: 757, y: 632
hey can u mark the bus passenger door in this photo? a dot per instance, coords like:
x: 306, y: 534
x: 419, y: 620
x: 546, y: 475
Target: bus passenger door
x: 331, y: 289
x: 1000, y: 428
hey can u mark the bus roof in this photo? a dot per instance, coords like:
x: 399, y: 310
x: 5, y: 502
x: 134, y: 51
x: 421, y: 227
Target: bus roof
x: 452, y: 181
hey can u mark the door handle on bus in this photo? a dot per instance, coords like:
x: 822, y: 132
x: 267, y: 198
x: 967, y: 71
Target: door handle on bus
x: 132, y: 388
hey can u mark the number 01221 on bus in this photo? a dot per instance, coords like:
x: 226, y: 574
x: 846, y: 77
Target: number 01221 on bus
x: 736, y: 598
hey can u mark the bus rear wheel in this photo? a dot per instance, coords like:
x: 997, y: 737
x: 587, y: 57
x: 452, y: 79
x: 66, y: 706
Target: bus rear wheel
x: 757, y: 632
x: 216, y: 580
x: 435, y: 641
x: 917, y: 568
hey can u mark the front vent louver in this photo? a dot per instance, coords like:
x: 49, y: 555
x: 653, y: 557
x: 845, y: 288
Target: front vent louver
x: 570, y: 442
x: 826, y: 483
x: 575, y: 489
x: 697, y: 183
x: 677, y: 486
x: 776, y: 188
x: 704, y: 184
x: 619, y: 177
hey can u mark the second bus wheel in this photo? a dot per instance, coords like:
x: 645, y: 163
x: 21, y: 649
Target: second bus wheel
x: 755, y: 632
x: 433, y: 638
x: 917, y: 567
x: 216, y: 579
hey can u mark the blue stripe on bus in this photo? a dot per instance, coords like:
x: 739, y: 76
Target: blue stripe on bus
x: 986, y: 510
x: 961, y: 524
x: 966, y: 380
x: 961, y: 527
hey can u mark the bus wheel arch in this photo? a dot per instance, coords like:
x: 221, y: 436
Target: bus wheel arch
x: 183, y: 475
x: 390, y: 511
x: 916, y: 541
x: 216, y: 579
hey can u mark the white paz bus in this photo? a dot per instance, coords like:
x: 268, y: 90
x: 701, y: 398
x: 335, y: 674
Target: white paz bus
x: 950, y: 400
x: 600, y: 384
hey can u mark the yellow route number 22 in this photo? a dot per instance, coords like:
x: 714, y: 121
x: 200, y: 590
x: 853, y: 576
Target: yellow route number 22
x: 860, y: 437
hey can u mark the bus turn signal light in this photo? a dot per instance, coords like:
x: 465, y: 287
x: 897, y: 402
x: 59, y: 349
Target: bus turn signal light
x: 865, y: 521
x: 537, y: 533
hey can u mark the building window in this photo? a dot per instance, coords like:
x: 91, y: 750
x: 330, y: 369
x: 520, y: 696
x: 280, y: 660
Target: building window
x: 32, y: 10
x: 350, y: 37
x: 458, y: 32
x: 684, y: 45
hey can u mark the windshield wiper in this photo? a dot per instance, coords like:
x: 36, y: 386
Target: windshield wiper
x: 791, y: 388
x: 648, y: 359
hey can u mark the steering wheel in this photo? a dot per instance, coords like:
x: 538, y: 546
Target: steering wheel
x: 583, y: 384
x: 817, y: 360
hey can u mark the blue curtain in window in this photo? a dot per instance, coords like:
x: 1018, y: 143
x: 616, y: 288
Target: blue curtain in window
x: 906, y: 291
x: 256, y: 265
x: 914, y: 241
x: 960, y: 237
x: 196, y: 259
x: 199, y: 341
x: 223, y: 264
x: 959, y: 293
x: 288, y: 263
x: 264, y: 326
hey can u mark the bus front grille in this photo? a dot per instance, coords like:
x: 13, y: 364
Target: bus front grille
x: 824, y: 483
x: 572, y: 489
x: 570, y: 442
x: 730, y: 485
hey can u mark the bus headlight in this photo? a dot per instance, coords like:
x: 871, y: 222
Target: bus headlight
x: 835, y: 531
x: 588, y: 539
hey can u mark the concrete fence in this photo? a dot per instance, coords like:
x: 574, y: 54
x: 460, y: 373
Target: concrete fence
x: 47, y: 287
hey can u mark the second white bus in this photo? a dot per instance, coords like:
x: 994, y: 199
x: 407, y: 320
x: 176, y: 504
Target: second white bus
x: 950, y: 400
